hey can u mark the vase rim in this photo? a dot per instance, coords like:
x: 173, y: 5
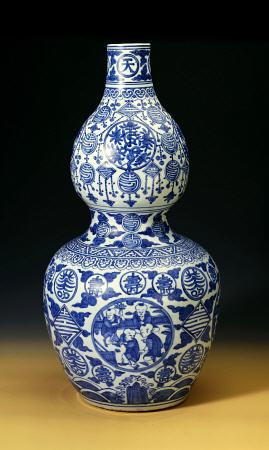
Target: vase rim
x: 132, y: 44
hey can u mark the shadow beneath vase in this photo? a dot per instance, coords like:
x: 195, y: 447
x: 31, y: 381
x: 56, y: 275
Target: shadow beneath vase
x: 231, y: 370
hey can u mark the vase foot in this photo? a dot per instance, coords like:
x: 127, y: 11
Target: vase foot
x: 133, y: 408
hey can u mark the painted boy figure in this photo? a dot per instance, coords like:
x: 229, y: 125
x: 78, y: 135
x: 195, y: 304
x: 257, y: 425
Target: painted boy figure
x: 110, y: 323
x: 130, y: 353
x: 153, y: 343
x: 141, y: 316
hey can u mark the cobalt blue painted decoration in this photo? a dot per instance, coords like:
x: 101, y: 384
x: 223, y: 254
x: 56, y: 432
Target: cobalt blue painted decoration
x: 132, y: 334
x: 74, y: 361
x: 132, y: 283
x: 191, y: 359
x: 66, y: 284
x: 130, y: 305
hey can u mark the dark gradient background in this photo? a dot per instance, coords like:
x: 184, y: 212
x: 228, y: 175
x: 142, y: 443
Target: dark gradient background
x: 216, y: 89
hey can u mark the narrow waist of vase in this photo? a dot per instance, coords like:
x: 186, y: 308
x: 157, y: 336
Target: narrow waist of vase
x: 143, y: 209
x: 128, y: 229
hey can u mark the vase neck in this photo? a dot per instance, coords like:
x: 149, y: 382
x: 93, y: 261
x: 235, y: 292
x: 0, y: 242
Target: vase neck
x: 129, y: 230
x: 128, y: 65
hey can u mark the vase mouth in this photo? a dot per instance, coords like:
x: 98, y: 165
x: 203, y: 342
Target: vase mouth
x: 130, y: 45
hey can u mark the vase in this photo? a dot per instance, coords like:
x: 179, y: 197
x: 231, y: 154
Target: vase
x: 131, y: 306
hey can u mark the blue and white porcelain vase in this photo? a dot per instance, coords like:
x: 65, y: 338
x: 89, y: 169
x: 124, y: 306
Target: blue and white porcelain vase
x: 131, y: 306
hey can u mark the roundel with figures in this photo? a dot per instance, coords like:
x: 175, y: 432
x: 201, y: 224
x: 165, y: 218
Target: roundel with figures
x: 132, y: 334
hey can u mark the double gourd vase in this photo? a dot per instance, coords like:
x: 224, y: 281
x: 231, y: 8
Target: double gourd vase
x: 131, y: 306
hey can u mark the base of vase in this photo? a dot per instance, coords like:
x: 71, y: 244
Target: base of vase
x: 134, y: 408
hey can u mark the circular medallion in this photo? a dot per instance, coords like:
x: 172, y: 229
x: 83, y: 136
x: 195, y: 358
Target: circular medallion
x: 132, y: 283
x: 164, y: 284
x: 131, y: 240
x: 194, y: 283
x: 129, y: 182
x: 131, y: 222
x: 74, y: 361
x: 131, y: 334
x: 191, y: 359
x: 127, y: 65
x: 96, y: 285
x: 103, y: 229
x: 87, y: 173
x: 89, y: 143
x: 65, y: 285
x: 103, y: 374
x: 164, y: 374
x: 130, y: 145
